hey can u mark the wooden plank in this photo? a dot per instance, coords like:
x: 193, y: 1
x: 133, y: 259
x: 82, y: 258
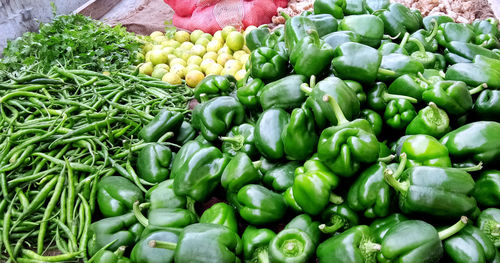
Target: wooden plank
x: 96, y: 8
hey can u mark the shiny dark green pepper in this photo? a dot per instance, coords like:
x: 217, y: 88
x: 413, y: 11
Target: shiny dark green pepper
x: 305, y: 223
x: 311, y: 55
x: 296, y: 28
x: 256, y: 242
x: 240, y: 139
x: 213, y: 86
x: 487, y: 105
x: 374, y: 119
x: 280, y: 177
x: 247, y: 94
x: 332, y: 7
x: 338, y: 217
x: 162, y: 123
x: 357, y: 62
x: 162, y: 195
x: 338, y: 38
x: 358, y: 90
x: 116, y: 196
x: 379, y: 227
x: 257, y: 38
x: 399, y: 19
x: 220, y: 214
x: 399, y: 113
x: 284, y: 93
x: 259, y: 205
x: 430, y: 120
x: 469, y: 245
x: 144, y: 253
x: 451, y: 31
x: 268, y: 131
x: 239, y: 172
x: 153, y: 163
x: 325, y: 23
x: 395, y: 65
x: 487, y: 188
x: 423, y: 150
x: 291, y: 245
x: 267, y: 64
x: 379, y: 97
x: 106, y: 256
x: 369, y: 27
x: 299, y: 136
x: 452, y: 96
x: 185, y: 133
x: 489, y: 222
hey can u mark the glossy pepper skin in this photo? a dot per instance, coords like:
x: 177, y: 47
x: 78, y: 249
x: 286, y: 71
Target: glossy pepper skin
x: 312, y: 186
x: 357, y: 62
x: 169, y: 217
x: 486, y: 33
x: 324, y: 23
x: 399, y: 19
x: 106, y: 256
x: 125, y: 229
x: 379, y: 97
x: 239, y: 172
x: 399, y: 113
x: 213, y: 86
x: 369, y: 27
x: 452, y: 31
x: 487, y: 188
x: 441, y: 192
x: 358, y: 89
x: 267, y: 64
x: 280, y: 177
x: 408, y: 85
x: 334, y: 8
x: 144, y: 253
x: 259, y: 205
x: 185, y: 133
x: 379, y: 227
x: 474, y: 74
x: 257, y: 38
x: 451, y: 96
x: 374, y: 5
x: 311, y: 55
x: 268, y: 131
x: 323, y: 112
x: 162, y: 123
x: 430, y: 120
x: 153, y: 163
x: 424, y: 150
x: 220, y: 214
x: 162, y: 195
x: 240, y: 139
x: 398, y: 65
x: 344, y: 147
x: 338, y: 38
x: 197, y: 170
x: 291, y: 245
x: 469, y: 50
x: 284, y: 93
x: 116, y: 196
x: 305, y: 223
x: 337, y: 217
x: 353, y: 245
x: 216, y: 116
x: 370, y: 194
x: 487, y: 105
x: 469, y: 245
x: 296, y: 28
x: 440, y: 19
x: 299, y: 136
x: 208, y: 243
x: 477, y: 141
x: 489, y: 222
x: 256, y: 242
x: 374, y: 119
x: 427, y: 38
x: 247, y: 94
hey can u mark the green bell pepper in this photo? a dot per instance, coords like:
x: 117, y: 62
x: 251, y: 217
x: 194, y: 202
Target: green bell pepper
x: 424, y: 150
x: 474, y: 74
x: 355, y: 7
x: 323, y: 112
x: 256, y: 243
x: 399, y: 19
x: 267, y: 64
x: 280, y: 177
x: 399, y: 113
x: 185, y: 133
x: 299, y: 136
x: 344, y: 147
x: 325, y: 23
x: 416, y: 241
x: 213, y: 86
x: 337, y: 217
x: 353, y: 245
x: 440, y: 19
x: 284, y: 93
x: 125, y: 229
x: 469, y: 245
x: 144, y: 253
x: 451, y: 31
x: 452, y: 96
x: 375, y: 5
x: 338, y: 38
x: 487, y: 188
x: 369, y: 27
x: 477, y: 141
x: 257, y: 38
x: 165, y: 217
x: 259, y: 205
x: 408, y: 85
x: 268, y: 131
x: 358, y: 90
x: 116, y: 196
x: 240, y: 139
x: 247, y: 95
x: 305, y: 223
x: 162, y: 195
x: 333, y: 7
x: 216, y: 116
x: 379, y: 227
x: 153, y: 163
x: 489, y: 222
x: 296, y: 28
x: 311, y: 55
x: 290, y: 200
x: 486, y: 26
x: 106, y: 256
x: 357, y: 62
x: 426, y: 58
x: 426, y: 38
x: 312, y: 187
x: 487, y: 105
x: 162, y: 123
x: 291, y: 246
x: 197, y: 170
x: 430, y: 120
x: 395, y: 65
x: 220, y: 214
x: 379, y: 97
x: 469, y: 50
x: 239, y: 172
x: 441, y: 192
x: 374, y: 119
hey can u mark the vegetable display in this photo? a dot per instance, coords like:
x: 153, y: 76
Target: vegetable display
x: 358, y: 132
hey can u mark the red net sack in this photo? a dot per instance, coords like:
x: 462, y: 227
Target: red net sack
x: 213, y: 15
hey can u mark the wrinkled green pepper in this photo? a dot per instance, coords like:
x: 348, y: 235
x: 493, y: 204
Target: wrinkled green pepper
x: 399, y: 19
x: 332, y: 7
x: 280, y: 177
x: 451, y: 96
x: 369, y: 27
x: 153, y: 163
x: 379, y: 227
x: 213, y: 86
x: 240, y: 139
x: 296, y: 28
x: 305, y: 223
x: 374, y: 119
x: 116, y: 196
x: 257, y: 38
x: 424, y: 150
x: 267, y: 64
x: 247, y: 94
x: 399, y: 113
x: 338, y: 217
x: 469, y: 245
x: 430, y: 120
x: 357, y: 62
x: 338, y: 38
x: 489, y: 222
x: 379, y: 97
x: 291, y: 245
x: 256, y: 243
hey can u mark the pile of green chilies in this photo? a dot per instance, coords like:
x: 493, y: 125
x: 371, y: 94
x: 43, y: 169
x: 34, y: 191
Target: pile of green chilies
x: 60, y: 133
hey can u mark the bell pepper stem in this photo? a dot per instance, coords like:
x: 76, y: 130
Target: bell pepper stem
x: 257, y: 164
x: 190, y: 202
x: 450, y: 231
x: 370, y: 247
x: 419, y: 44
x: 305, y: 88
x: 284, y: 15
x: 404, y: 40
x: 388, y: 96
x: 203, y: 98
x: 478, y: 89
x: 315, y: 37
x: 422, y: 78
x: 474, y: 168
x: 433, y: 32
x: 341, y: 119
x: 336, y: 199
x: 389, y: 178
x: 166, y: 136
x: 120, y: 251
x: 386, y: 72
x: 337, y: 223
x: 263, y: 255
x: 385, y: 36
x: 401, y: 167
x: 237, y: 141
x: 291, y: 247
x: 138, y: 214
x: 387, y: 158
x: 312, y: 81
x: 162, y: 244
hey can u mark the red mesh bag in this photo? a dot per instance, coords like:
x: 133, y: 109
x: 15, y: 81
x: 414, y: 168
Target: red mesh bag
x: 213, y: 15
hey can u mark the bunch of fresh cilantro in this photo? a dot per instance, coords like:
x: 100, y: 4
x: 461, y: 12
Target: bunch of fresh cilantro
x: 72, y: 41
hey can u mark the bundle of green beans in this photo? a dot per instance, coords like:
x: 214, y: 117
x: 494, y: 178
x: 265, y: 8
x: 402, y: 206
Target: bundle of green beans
x: 60, y: 133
